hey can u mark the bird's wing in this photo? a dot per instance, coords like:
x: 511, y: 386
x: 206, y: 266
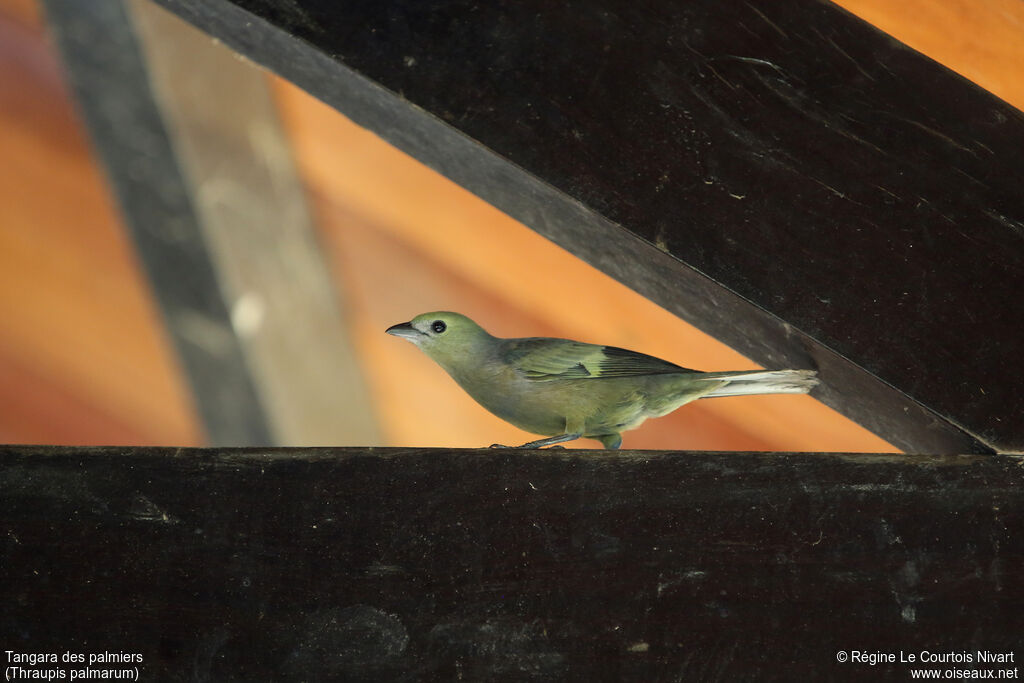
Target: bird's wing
x: 549, y: 359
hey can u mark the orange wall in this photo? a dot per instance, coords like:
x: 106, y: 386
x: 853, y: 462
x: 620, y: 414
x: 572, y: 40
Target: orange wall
x: 982, y: 40
x: 84, y: 359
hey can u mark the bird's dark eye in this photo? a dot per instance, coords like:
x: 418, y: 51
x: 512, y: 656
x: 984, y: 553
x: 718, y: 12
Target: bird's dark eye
x: 439, y: 326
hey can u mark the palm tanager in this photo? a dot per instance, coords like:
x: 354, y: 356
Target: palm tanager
x: 565, y: 390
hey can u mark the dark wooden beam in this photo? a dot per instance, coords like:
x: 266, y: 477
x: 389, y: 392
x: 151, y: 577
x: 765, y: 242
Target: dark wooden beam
x: 388, y: 564
x: 798, y: 184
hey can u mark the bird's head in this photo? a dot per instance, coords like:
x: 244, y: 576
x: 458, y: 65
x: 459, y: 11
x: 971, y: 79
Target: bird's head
x: 444, y: 336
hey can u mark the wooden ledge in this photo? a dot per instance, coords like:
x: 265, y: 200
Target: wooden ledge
x: 401, y: 564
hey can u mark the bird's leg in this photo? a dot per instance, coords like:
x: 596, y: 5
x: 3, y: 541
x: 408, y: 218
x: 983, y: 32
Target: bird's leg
x: 541, y: 443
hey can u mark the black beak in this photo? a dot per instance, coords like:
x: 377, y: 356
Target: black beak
x: 404, y: 330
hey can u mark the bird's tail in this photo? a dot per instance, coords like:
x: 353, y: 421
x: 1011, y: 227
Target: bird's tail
x: 762, y: 382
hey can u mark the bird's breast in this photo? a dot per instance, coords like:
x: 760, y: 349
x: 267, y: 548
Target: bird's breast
x: 536, y: 407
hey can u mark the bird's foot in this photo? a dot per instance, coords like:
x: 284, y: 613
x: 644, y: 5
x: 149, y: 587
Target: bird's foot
x: 551, y: 441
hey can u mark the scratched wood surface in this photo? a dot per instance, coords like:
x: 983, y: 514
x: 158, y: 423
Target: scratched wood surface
x: 413, y: 564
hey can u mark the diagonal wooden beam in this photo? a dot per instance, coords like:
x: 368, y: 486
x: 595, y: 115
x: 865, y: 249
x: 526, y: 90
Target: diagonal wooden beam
x: 788, y: 178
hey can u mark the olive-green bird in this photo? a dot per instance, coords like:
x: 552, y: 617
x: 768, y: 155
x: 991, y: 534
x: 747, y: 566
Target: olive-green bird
x: 565, y: 389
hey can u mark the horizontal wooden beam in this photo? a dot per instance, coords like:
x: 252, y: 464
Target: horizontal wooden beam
x: 400, y: 564
x: 798, y: 184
